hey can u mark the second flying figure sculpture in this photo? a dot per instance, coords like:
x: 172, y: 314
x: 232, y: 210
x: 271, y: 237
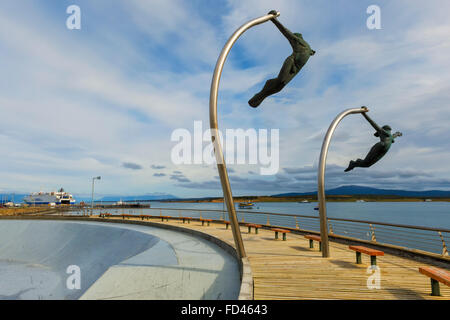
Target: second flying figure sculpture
x: 291, y: 66
x: 379, y: 149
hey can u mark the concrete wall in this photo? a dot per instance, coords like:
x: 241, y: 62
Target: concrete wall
x: 117, y: 261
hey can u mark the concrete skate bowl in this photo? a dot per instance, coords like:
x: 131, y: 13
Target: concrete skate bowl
x: 40, y: 259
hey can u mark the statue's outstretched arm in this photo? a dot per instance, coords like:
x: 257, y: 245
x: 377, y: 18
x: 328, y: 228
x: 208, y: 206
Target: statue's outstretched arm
x: 372, y: 123
x: 286, y: 32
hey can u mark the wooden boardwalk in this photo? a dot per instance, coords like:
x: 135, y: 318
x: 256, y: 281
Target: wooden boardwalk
x: 291, y: 270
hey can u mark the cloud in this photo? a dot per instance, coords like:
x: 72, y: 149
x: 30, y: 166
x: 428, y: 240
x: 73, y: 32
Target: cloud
x: 159, y: 174
x: 298, y: 170
x: 304, y: 179
x: 204, y: 185
x: 158, y: 167
x: 131, y: 165
x: 179, y: 177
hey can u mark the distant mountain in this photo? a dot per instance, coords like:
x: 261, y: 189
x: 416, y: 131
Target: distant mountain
x: 361, y: 190
x: 10, y: 197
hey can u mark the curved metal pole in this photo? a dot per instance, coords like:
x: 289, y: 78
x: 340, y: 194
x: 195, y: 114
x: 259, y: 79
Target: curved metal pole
x: 228, y: 197
x: 321, y: 178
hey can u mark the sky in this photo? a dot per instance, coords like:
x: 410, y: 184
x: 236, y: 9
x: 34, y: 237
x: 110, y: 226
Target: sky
x: 104, y: 100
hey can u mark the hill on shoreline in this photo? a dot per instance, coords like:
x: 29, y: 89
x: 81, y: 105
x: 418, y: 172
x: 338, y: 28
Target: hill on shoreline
x: 361, y: 190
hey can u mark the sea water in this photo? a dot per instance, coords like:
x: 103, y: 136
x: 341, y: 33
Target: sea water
x: 422, y: 214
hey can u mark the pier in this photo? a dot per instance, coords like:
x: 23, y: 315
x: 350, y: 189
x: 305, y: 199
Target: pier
x: 292, y: 270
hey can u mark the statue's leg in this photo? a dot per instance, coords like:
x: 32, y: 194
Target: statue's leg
x: 354, y: 164
x: 272, y: 86
x: 275, y: 85
x: 351, y: 165
x: 375, y: 154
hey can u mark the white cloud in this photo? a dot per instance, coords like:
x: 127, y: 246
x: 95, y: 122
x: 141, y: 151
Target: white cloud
x: 73, y: 105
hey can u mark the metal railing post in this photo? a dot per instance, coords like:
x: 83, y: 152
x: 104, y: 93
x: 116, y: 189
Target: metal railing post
x: 372, y: 233
x: 444, y: 246
x: 223, y: 174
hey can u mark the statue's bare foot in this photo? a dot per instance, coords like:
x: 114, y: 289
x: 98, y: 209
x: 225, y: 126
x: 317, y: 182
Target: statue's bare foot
x: 255, y: 101
x: 350, y: 166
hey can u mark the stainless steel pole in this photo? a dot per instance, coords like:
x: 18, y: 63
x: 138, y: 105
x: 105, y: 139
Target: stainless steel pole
x: 214, y: 129
x: 321, y: 178
x: 92, y: 198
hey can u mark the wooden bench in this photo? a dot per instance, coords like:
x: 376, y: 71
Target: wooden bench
x: 205, y: 220
x: 312, y: 238
x: 188, y: 219
x: 127, y: 216
x: 283, y: 231
x: 436, y: 275
x: 104, y: 215
x: 165, y: 217
x: 227, y: 224
x: 251, y: 225
x: 371, y: 252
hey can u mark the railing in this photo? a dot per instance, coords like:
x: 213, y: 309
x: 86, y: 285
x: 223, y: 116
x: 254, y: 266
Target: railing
x: 432, y: 240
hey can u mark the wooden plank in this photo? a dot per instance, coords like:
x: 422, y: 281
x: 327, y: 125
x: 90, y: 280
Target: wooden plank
x: 436, y: 274
x: 369, y: 251
x: 313, y: 237
x: 280, y: 230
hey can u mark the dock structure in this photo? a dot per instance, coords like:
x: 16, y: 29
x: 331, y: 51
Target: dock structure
x: 292, y: 270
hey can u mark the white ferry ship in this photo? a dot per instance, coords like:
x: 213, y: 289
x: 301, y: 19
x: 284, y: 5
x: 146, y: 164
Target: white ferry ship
x: 56, y: 197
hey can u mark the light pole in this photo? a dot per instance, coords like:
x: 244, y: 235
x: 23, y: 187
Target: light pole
x: 92, y: 199
x: 321, y: 178
x: 228, y: 197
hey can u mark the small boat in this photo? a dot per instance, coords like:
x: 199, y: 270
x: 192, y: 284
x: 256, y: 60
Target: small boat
x: 246, y: 205
x: 304, y: 201
x: 360, y: 201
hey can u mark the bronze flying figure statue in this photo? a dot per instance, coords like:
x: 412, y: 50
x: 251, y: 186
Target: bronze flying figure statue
x: 379, y: 149
x: 291, y: 66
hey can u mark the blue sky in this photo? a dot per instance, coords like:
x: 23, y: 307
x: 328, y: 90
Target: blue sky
x: 105, y: 99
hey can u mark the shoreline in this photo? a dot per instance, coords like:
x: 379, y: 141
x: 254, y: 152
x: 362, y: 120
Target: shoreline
x: 331, y: 198
x: 237, y: 200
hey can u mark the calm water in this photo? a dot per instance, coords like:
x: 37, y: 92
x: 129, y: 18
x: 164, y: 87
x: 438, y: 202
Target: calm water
x: 426, y: 214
